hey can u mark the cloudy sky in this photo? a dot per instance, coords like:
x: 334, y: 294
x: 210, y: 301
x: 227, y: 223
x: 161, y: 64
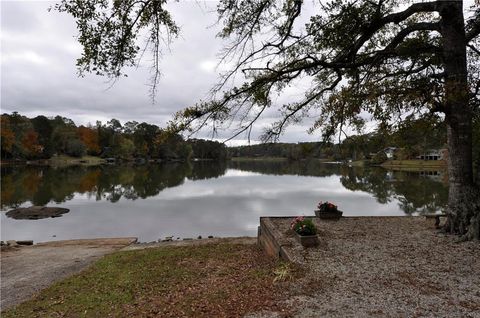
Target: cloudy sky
x: 38, y: 73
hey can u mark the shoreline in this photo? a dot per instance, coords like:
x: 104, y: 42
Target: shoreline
x: 388, y: 265
x: 415, y: 164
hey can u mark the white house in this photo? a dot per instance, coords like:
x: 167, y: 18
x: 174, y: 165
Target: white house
x: 434, y: 154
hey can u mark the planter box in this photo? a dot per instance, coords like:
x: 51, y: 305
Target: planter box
x: 329, y: 215
x: 307, y: 240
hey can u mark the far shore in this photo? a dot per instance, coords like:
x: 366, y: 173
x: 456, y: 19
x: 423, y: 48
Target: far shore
x: 57, y: 161
x: 63, y: 160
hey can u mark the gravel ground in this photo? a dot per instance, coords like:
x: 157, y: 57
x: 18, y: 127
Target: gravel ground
x: 385, y: 267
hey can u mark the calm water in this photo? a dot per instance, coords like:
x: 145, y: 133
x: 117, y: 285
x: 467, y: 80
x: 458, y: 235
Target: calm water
x: 202, y: 198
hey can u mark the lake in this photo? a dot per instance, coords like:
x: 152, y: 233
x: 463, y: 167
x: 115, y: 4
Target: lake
x: 203, y: 198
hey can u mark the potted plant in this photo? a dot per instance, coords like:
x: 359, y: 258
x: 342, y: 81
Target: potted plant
x: 328, y: 210
x: 305, y: 231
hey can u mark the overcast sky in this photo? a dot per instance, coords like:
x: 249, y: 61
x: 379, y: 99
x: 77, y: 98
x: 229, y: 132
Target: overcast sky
x: 38, y: 73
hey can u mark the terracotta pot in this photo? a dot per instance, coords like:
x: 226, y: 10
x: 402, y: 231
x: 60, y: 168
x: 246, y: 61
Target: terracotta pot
x: 308, y: 240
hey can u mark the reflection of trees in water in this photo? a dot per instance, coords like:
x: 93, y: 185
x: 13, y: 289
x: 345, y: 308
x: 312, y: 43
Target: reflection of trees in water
x: 41, y: 185
x: 357, y: 179
x: 312, y: 168
x: 414, y: 193
x: 207, y: 169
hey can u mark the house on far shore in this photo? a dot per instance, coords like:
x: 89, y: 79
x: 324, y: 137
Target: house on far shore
x: 434, y: 154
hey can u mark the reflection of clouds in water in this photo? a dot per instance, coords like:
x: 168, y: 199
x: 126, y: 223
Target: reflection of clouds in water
x: 271, y: 187
x: 240, y: 173
x: 227, y: 206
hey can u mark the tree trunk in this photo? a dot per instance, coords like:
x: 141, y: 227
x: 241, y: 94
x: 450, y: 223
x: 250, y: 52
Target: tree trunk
x: 463, y: 203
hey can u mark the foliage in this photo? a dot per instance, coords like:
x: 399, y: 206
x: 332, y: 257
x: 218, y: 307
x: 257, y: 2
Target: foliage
x: 74, y: 148
x: 303, y: 226
x: 30, y: 144
x: 7, y: 136
x: 413, y: 136
x: 63, y: 132
x: 327, y: 207
x: 89, y: 137
x: 43, y: 126
x: 381, y: 57
x: 379, y: 158
x: 283, y: 273
x: 376, y: 57
x: 109, y: 30
x: 208, y: 149
x: 42, y: 137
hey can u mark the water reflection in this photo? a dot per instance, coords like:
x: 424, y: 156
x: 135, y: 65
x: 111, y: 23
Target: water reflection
x: 41, y: 185
x: 415, y: 191
x: 313, y: 168
x: 202, y: 198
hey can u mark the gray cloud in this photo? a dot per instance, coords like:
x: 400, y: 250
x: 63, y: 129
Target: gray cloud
x: 39, y: 51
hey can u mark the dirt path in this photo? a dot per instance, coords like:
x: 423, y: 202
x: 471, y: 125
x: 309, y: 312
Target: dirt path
x: 27, y: 270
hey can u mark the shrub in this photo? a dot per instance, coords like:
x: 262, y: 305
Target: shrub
x: 75, y: 148
x: 379, y: 158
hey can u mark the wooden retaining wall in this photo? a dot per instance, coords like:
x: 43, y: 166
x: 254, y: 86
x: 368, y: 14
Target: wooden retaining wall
x: 272, y: 241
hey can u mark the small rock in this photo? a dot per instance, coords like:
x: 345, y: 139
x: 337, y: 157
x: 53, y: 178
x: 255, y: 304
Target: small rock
x: 199, y: 237
x: 210, y: 236
x: 36, y: 213
x: 26, y: 242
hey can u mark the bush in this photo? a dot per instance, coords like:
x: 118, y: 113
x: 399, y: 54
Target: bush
x: 75, y: 148
x: 379, y: 158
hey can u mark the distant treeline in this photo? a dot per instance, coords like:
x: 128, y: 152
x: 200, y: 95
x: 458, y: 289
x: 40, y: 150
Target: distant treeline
x: 414, y: 136
x: 42, y: 137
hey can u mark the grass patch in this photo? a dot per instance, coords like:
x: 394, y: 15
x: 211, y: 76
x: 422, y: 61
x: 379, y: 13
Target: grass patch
x: 67, y: 160
x: 191, y: 281
x: 414, y: 164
